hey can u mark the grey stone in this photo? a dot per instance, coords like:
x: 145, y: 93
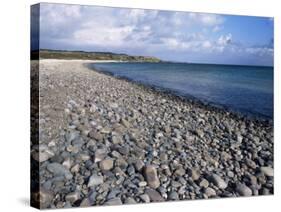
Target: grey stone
x: 139, y: 164
x: 70, y: 136
x: 131, y: 170
x: 194, y: 173
x: 75, y: 168
x: 210, y: 192
x: 142, y: 184
x: 218, y: 181
x: 113, y: 193
x: 115, y: 201
x: 125, y: 123
x: 145, y: 198
x: 114, y: 105
x: 106, y: 164
x: 173, y: 195
x: 72, y: 197
x: 116, y: 139
x: 43, y: 155
x: 204, y: 183
x: 180, y: 172
x: 100, y: 155
x: 130, y: 200
x: 95, y: 135
x: 45, y: 197
x: 267, y: 171
x: 243, y: 190
x: 151, y: 176
x: 59, y: 170
x: 154, y: 195
x: 95, y: 180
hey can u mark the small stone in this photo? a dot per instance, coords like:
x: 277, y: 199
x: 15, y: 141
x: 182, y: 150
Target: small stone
x: 159, y: 135
x: 204, y: 183
x: 230, y: 174
x: 114, y: 105
x: 42, y: 155
x: 72, y: 135
x: 75, y: 168
x: 105, y: 130
x: 267, y: 171
x: 95, y: 180
x: 145, y: 198
x: 131, y: 170
x: 180, y: 172
x: 44, y: 197
x: 154, y: 195
x: 113, y: 193
x: 117, y: 139
x: 251, y: 163
x: 210, y: 192
x: 93, y: 108
x: 115, y: 201
x: 218, y: 181
x: 100, y: 155
x: 93, y: 124
x: 151, y: 177
x: 125, y: 123
x: 72, y: 197
x: 139, y: 164
x: 142, y: 184
x: 243, y: 190
x: 167, y: 129
x: 69, y: 148
x: 106, y: 164
x: 85, y: 157
x: 239, y: 138
x: 195, y: 175
x: 199, y: 133
x: 85, y: 203
x: 163, y: 156
x: 130, y: 200
x: 265, y: 191
x: 59, y: 170
x: 121, y: 162
x: 124, y: 150
x: 67, y: 163
x: 173, y: 196
x: 95, y: 135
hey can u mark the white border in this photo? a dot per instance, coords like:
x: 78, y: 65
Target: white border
x: 14, y: 103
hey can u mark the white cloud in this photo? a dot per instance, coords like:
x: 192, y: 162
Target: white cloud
x: 138, y: 30
x: 206, y: 44
x: 259, y: 51
x: 225, y: 39
x: 207, y: 19
x: 216, y: 28
x: 59, y: 13
x: 100, y: 35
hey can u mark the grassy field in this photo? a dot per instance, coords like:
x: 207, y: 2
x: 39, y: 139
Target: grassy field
x: 56, y: 54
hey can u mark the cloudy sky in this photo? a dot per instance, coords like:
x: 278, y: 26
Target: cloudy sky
x: 173, y: 36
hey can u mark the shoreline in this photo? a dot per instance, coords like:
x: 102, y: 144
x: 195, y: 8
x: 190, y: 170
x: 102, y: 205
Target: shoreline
x: 108, y: 141
x: 191, y: 99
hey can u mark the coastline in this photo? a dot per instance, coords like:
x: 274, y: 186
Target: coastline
x: 111, y: 130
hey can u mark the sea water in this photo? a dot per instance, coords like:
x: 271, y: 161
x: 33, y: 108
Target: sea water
x: 244, y: 89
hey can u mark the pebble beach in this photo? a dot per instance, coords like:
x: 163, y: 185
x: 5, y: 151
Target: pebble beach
x: 109, y: 141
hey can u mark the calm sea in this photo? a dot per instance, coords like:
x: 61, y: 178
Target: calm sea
x: 244, y: 89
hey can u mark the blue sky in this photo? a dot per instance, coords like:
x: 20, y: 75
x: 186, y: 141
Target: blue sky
x: 169, y: 35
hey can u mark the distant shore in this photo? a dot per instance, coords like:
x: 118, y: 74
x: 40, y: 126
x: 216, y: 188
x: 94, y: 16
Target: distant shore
x: 120, y: 142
